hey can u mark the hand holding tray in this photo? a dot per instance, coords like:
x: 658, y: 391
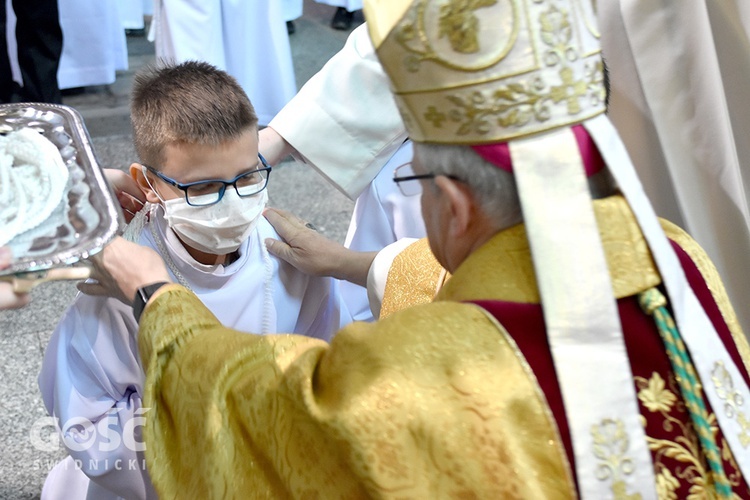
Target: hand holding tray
x: 86, y: 218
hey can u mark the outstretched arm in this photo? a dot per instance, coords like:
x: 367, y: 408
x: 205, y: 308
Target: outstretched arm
x: 350, y: 100
x: 273, y: 147
x: 121, y: 268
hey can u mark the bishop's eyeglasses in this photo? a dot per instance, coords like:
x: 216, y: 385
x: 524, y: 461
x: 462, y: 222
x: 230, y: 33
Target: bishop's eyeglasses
x: 405, y: 173
x: 211, y: 191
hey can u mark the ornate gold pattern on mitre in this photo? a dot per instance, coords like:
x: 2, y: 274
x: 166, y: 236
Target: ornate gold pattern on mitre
x: 460, y: 23
x: 484, y: 71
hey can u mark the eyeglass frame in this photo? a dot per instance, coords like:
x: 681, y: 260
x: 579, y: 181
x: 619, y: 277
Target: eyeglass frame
x: 184, y: 187
x: 416, y: 177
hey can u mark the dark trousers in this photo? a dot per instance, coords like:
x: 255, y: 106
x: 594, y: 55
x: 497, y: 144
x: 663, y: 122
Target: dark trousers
x: 39, y: 40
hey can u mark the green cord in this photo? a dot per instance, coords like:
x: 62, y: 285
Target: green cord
x: 654, y: 303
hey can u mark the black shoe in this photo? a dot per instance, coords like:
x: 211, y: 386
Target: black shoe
x: 73, y: 91
x: 290, y: 28
x: 342, y: 19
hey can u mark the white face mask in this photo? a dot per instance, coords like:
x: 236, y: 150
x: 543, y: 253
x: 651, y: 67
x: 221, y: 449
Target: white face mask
x: 217, y: 229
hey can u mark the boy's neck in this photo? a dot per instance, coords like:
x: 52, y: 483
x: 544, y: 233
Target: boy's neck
x: 209, y: 259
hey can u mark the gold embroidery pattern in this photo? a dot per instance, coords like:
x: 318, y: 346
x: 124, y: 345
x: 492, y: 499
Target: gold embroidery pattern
x: 733, y: 401
x: 459, y: 22
x: 691, y: 475
x: 611, y: 444
x: 519, y: 103
x: 414, y: 278
x: 590, y: 22
x: 655, y: 396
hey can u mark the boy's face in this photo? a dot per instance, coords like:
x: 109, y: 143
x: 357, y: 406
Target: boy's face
x: 193, y: 162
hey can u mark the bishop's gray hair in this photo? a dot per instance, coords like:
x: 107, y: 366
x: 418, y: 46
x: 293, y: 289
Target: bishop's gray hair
x: 494, y: 188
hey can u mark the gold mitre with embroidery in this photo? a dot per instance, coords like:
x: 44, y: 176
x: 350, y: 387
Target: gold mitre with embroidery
x: 486, y: 71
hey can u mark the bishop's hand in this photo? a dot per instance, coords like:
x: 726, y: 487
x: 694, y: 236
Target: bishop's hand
x: 312, y: 253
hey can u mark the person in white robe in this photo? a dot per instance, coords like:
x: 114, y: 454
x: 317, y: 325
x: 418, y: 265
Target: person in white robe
x: 382, y: 216
x: 91, y: 372
x: 131, y: 14
x: 94, y: 45
x: 31, y: 41
x: 679, y: 74
x: 246, y: 39
x: 338, y: 102
x: 291, y: 9
x: 342, y: 18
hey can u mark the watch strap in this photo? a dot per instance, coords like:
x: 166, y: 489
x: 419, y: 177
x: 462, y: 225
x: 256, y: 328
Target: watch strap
x: 142, y: 296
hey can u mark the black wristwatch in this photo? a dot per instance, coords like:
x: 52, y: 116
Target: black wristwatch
x: 142, y: 295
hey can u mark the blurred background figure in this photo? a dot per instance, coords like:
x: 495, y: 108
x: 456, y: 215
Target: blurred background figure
x: 292, y: 9
x: 93, y: 50
x: 248, y: 40
x: 344, y: 16
x: 132, y: 13
x: 679, y: 73
x: 39, y: 41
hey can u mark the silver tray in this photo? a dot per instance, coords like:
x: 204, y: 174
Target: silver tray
x: 88, y: 217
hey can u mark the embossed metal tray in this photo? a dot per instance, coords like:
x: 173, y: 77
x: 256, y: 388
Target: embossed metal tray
x: 88, y: 216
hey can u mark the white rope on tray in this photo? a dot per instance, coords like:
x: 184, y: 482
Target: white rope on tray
x: 33, y: 178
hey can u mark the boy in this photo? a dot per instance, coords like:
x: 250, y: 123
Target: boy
x: 196, y: 134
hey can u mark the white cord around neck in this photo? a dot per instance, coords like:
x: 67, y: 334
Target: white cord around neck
x: 163, y: 251
x: 266, y: 326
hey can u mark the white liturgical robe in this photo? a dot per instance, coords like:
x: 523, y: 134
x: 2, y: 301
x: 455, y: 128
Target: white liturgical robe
x: 246, y: 39
x: 91, y: 372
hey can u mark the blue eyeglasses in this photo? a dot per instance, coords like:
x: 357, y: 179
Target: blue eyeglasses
x: 209, y: 192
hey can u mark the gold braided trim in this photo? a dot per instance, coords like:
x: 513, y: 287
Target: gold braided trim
x: 414, y: 278
x: 714, y: 283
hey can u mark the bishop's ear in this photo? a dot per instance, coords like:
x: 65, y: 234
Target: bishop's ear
x: 459, y: 203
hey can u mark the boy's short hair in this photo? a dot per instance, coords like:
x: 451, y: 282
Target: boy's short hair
x: 192, y: 102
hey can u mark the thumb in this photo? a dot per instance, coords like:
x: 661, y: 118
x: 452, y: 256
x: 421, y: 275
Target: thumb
x: 90, y: 288
x: 279, y: 249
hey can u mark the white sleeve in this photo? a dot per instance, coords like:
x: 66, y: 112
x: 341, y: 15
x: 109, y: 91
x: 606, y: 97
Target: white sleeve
x: 91, y: 382
x: 344, y: 121
x: 378, y: 274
